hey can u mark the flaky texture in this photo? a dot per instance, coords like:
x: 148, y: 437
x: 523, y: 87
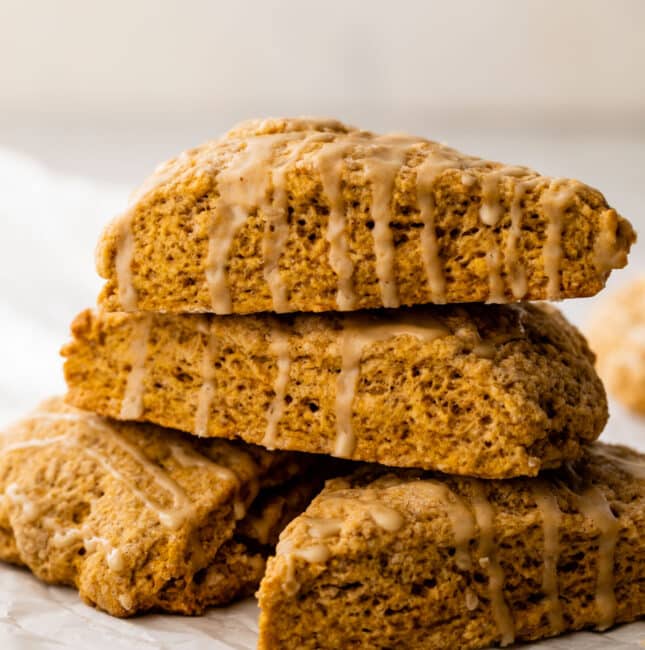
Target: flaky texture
x: 140, y: 518
x: 484, y: 390
x: 281, y: 215
x: 617, y: 335
x: 404, y: 559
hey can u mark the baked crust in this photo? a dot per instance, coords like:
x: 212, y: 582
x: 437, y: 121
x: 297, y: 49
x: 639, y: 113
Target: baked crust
x: 308, y: 215
x: 403, y: 559
x: 140, y: 518
x: 484, y: 390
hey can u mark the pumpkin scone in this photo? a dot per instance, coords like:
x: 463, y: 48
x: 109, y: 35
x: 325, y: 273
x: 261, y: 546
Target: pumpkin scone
x: 140, y: 518
x: 617, y: 335
x: 403, y: 559
x: 290, y: 215
x: 485, y: 390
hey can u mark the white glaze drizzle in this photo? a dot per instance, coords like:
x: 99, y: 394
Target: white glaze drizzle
x: 318, y: 553
x: 461, y: 519
x: 113, y: 556
x: 170, y: 518
x: 385, y: 157
x: 551, y: 518
x: 132, y: 402
x: 123, y: 265
x: 496, y: 289
x: 606, y: 254
x: 491, y: 209
x: 329, y: 162
x: 127, y: 293
x: 470, y: 597
x: 30, y: 511
x: 125, y: 600
x: 359, y: 332
x: 438, y: 160
x: 276, y: 231
x: 385, y: 517
x: 321, y: 527
x: 555, y: 199
x: 490, y: 213
x: 593, y: 505
x: 63, y: 539
x: 182, y: 505
x: 207, y: 389
x: 279, y: 347
x: 516, y: 275
x: 27, y: 444
x: 242, y: 187
x: 485, y: 517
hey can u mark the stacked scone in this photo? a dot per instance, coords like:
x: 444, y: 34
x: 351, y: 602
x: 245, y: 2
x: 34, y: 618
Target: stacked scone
x: 303, y: 286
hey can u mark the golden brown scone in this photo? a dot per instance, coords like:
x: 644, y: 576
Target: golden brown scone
x: 238, y: 566
x: 138, y: 517
x: 403, y: 559
x: 484, y: 390
x: 292, y: 215
x: 617, y: 335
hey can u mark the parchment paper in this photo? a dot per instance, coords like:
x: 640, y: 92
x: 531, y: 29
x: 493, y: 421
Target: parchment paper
x: 49, y: 228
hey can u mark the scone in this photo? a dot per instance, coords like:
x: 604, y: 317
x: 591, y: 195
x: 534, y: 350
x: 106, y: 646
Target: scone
x: 309, y: 215
x: 137, y: 517
x: 404, y: 559
x: 617, y: 335
x: 485, y: 390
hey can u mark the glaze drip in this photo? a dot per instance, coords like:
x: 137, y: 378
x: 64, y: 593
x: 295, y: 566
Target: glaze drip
x: 254, y: 180
x: 279, y: 347
x: 461, y: 519
x: 485, y: 517
x: 132, y: 402
x: 555, y: 200
x: 551, y: 518
x: 330, y: 163
x: 242, y: 187
x: 358, y: 334
x: 382, y: 165
x: 594, y: 505
x: 207, y: 389
x: 182, y: 506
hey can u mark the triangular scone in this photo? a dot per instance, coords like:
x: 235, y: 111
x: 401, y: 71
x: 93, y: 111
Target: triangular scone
x: 138, y: 517
x: 402, y: 559
x: 485, y: 390
x: 311, y: 215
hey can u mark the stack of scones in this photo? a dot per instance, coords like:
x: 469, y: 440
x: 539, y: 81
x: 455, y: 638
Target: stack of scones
x: 298, y: 302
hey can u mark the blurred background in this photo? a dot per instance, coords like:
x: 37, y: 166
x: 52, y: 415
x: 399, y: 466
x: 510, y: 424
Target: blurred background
x: 94, y: 95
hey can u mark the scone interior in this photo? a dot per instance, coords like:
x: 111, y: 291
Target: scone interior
x: 137, y: 517
x: 306, y: 215
x: 407, y: 559
x: 485, y: 390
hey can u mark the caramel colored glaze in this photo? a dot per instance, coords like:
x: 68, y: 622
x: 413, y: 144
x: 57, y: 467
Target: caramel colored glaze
x: 271, y: 177
x: 334, y: 540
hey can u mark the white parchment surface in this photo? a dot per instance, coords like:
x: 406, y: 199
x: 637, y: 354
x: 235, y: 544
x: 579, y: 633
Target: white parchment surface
x: 49, y: 226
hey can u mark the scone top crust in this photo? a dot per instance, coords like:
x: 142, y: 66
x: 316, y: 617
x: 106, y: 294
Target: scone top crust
x: 308, y: 214
x: 120, y: 510
x: 444, y: 561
